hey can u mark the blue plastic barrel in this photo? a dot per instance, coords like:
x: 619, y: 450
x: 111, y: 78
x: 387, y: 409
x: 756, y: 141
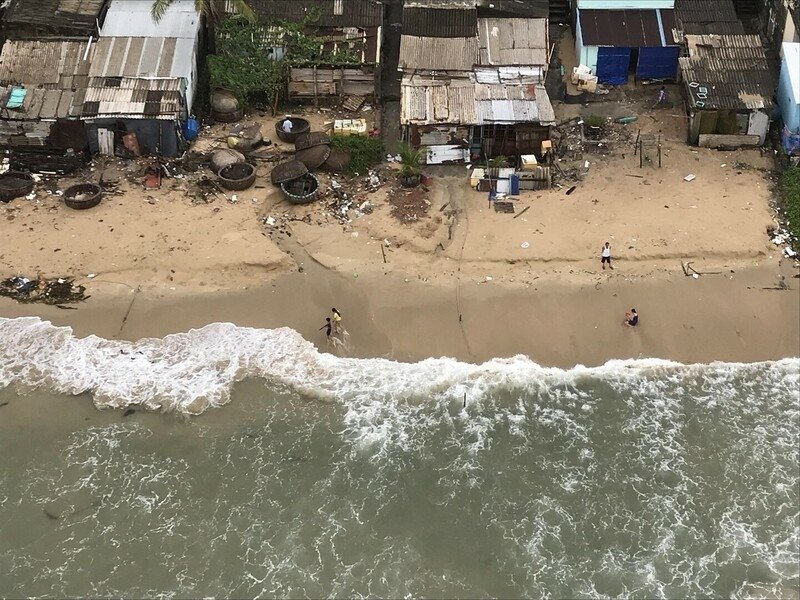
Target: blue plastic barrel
x: 514, y: 184
x: 191, y: 128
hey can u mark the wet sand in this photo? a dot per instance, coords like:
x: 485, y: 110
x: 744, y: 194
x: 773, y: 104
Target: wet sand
x: 727, y: 317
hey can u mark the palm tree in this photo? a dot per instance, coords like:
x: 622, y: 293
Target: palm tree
x: 212, y: 10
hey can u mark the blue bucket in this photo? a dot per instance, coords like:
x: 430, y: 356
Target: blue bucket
x: 191, y: 129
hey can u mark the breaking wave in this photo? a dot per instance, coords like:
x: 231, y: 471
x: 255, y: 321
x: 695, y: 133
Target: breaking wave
x: 191, y: 372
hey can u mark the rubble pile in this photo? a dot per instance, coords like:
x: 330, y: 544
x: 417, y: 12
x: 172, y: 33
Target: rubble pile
x: 61, y: 290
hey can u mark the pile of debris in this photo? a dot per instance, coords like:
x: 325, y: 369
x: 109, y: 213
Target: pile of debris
x: 782, y: 238
x: 57, y: 291
x: 409, y: 205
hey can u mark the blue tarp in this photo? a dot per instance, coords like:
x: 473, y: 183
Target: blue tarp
x: 612, y: 65
x: 16, y: 98
x: 657, y: 63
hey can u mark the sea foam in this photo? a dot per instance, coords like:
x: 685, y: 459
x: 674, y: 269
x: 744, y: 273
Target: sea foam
x: 193, y: 371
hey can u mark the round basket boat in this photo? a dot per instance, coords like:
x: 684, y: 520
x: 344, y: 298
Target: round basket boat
x: 287, y: 171
x: 224, y: 157
x: 299, y: 126
x: 311, y: 139
x: 14, y: 184
x: 337, y: 161
x: 313, y: 157
x: 238, y: 176
x: 227, y: 117
x: 83, y: 196
x: 303, y: 190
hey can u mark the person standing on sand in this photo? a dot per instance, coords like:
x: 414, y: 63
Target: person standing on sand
x: 605, y: 256
x: 632, y: 318
x: 287, y: 124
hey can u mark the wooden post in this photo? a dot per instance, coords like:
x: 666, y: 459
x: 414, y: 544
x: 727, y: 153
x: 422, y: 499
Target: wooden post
x: 316, y: 100
x: 341, y: 85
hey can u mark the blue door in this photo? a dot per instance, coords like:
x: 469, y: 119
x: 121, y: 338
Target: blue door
x: 657, y: 63
x: 612, y: 65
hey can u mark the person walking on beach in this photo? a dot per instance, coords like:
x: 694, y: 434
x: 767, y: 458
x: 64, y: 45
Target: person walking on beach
x: 336, y: 319
x: 632, y: 318
x: 605, y: 256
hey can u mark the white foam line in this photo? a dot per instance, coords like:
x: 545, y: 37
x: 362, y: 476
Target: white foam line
x: 192, y: 371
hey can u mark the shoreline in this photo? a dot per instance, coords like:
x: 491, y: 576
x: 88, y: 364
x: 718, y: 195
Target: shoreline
x: 554, y: 322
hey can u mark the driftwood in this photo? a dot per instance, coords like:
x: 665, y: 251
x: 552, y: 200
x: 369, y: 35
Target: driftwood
x: 522, y: 212
x: 688, y: 267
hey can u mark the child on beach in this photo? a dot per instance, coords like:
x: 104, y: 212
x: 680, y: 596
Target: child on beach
x: 632, y: 318
x: 336, y: 318
x: 605, y: 256
x: 328, y: 327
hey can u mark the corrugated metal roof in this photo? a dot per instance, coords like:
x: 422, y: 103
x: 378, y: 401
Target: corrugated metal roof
x: 132, y: 18
x: 727, y: 72
x: 627, y: 28
x: 53, y: 64
x: 438, y: 54
x: 143, y: 57
x: 707, y: 16
x: 534, y: 9
x: 440, y: 22
x: 51, y: 18
x: 509, y: 75
x: 133, y: 98
x: 427, y: 101
x: 513, y: 41
x: 450, y: 4
x: 42, y: 104
x: 332, y: 13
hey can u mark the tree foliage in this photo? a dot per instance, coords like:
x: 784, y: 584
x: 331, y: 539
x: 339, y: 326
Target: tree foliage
x: 245, y: 64
x: 790, y: 200
x: 212, y: 10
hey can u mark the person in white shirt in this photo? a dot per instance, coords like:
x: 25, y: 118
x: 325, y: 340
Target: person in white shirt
x: 606, y: 256
x: 287, y: 124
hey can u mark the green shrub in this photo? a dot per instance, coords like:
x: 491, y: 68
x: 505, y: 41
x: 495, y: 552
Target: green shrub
x: 790, y: 201
x: 595, y: 121
x: 365, y: 152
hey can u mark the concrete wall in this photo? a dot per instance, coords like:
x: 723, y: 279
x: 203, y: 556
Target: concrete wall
x: 624, y: 4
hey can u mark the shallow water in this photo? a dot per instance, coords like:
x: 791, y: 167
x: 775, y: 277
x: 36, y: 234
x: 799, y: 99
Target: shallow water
x: 337, y: 477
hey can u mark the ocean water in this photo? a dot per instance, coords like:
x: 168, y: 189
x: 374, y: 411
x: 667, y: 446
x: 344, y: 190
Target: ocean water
x: 271, y: 469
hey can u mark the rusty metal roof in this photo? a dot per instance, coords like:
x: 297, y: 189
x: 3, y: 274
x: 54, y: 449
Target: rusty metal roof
x: 438, y: 54
x: 129, y: 97
x: 627, y: 28
x: 62, y: 65
x: 707, y: 16
x: 513, y: 41
x: 727, y: 72
x: 52, y: 18
x: 143, y: 57
x: 440, y: 22
x: 332, y: 13
x: 427, y: 101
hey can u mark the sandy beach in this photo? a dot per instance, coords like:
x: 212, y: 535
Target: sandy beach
x: 436, y: 272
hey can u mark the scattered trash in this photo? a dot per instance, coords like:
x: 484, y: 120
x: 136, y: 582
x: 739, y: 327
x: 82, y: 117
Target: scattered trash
x: 91, y: 275
x: 690, y: 177
x: 525, y: 245
x: 52, y: 291
x: 572, y: 189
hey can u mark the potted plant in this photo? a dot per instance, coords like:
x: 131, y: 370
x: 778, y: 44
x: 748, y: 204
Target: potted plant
x: 410, y: 159
x: 493, y: 166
